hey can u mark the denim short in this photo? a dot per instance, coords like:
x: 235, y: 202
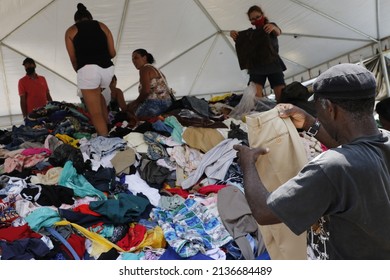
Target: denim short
x: 275, y: 79
x: 153, y: 107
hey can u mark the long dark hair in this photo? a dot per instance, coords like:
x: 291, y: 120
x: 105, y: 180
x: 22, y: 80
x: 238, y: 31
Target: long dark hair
x: 82, y: 13
x: 143, y: 52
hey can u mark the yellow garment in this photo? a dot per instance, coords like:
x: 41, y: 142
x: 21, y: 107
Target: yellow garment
x: 68, y: 140
x: 99, y: 243
x: 219, y: 97
x: 154, y: 238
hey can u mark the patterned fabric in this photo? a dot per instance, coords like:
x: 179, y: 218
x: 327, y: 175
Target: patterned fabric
x: 158, y: 86
x: 191, y: 228
x: 155, y: 149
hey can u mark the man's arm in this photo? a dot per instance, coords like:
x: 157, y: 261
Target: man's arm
x: 23, y: 105
x: 255, y: 192
x: 48, y: 96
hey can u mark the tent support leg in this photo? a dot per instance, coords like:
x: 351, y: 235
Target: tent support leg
x: 384, y: 70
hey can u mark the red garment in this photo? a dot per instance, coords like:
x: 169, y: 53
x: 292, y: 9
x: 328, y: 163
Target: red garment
x: 84, y: 208
x: 133, y: 238
x: 210, y: 189
x: 35, y: 91
x: 15, y: 233
x: 78, y: 244
x: 179, y: 191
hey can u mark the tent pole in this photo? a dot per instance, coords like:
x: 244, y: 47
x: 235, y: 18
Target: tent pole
x: 121, y: 26
x: 203, y: 64
x: 210, y: 18
x: 384, y: 70
x: 382, y: 56
x: 6, y: 91
x: 335, y: 20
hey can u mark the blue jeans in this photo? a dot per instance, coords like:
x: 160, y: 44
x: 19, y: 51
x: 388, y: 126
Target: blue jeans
x: 153, y: 107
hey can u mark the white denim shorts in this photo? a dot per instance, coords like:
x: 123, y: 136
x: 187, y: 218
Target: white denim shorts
x: 92, y: 76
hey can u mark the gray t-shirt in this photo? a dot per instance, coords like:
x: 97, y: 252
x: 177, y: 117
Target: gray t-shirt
x: 350, y: 185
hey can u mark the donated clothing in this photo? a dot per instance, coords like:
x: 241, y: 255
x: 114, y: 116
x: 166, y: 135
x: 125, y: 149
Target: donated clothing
x: 191, y: 228
x: 82, y: 188
x: 338, y: 184
x: 136, y: 185
x: 35, y: 90
x: 214, y: 164
x: 286, y: 158
x: 99, y: 147
x: 257, y: 51
x: 90, y: 44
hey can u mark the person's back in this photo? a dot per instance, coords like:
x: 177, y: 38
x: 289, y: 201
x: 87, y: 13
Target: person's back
x: 91, y: 44
x: 158, y: 86
x: 117, y: 102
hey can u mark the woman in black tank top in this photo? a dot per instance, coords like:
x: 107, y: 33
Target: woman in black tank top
x: 90, y: 46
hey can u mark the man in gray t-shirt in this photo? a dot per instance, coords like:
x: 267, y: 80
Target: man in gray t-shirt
x: 348, y: 185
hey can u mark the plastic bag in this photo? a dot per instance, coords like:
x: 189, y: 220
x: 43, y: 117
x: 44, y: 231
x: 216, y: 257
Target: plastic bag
x: 247, y: 103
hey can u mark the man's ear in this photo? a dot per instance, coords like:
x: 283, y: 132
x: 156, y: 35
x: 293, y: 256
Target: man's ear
x: 332, y: 109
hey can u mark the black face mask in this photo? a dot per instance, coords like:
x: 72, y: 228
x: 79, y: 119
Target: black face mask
x: 30, y: 70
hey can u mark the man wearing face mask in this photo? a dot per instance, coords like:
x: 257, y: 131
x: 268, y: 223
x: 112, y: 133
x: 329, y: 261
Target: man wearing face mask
x: 257, y: 51
x: 33, y: 89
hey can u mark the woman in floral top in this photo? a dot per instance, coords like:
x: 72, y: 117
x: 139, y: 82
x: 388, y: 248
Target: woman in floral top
x: 154, y: 94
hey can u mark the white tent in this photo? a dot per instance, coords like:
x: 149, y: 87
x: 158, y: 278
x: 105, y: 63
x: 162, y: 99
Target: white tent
x: 189, y: 40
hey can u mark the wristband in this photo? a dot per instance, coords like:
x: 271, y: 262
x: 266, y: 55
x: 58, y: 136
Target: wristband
x: 313, y: 130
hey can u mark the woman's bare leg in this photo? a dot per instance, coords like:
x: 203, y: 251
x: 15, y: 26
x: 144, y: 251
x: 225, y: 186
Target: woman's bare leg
x: 278, y: 92
x: 259, y: 90
x: 94, y: 102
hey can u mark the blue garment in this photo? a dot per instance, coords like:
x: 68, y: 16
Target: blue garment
x: 170, y: 254
x: 160, y: 126
x: 23, y: 249
x: 153, y: 107
x: 82, y: 188
x: 42, y: 217
x: 102, y: 146
x: 191, y: 228
x: 177, y: 128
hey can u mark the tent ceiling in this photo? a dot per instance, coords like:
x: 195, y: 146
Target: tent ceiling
x: 188, y: 38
